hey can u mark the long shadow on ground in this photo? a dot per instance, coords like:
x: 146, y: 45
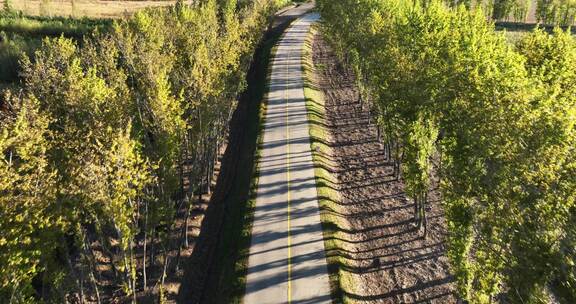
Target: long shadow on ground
x: 378, y: 250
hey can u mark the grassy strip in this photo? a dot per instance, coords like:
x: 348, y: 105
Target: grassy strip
x: 90, y: 8
x: 22, y: 35
x: 234, y: 248
x: 30, y: 26
x: 328, y: 196
x: 12, y: 48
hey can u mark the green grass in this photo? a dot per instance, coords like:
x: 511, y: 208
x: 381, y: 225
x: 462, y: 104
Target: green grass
x: 32, y: 26
x: 340, y: 280
x: 21, y: 35
x: 12, y: 48
x: 514, y: 36
x: 516, y: 31
x: 89, y: 8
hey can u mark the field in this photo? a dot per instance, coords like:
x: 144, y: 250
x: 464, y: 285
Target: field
x: 83, y: 8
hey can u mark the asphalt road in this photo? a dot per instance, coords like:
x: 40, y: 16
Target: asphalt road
x: 287, y: 262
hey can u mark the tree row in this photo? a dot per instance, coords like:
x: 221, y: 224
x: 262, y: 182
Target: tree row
x: 494, y: 122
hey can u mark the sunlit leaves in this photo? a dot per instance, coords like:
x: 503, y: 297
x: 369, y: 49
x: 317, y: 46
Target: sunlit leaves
x: 26, y: 197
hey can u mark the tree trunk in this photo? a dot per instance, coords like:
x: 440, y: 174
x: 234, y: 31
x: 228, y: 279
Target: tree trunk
x: 186, y: 244
x: 71, y: 269
x: 132, y: 274
x: 208, y: 169
x: 164, y: 268
x: 144, y: 277
x: 92, y: 267
x: 416, y: 209
x: 81, y: 279
x: 151, y: 257
x: 425, y: 220
x: 397, y: 160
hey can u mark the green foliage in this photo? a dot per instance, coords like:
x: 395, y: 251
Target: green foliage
x: 419, y: 149
x: 27, y: 195
x: 505, y: 119
x: 504, y: 9
x: 12, y: 48
x: 551, y: 12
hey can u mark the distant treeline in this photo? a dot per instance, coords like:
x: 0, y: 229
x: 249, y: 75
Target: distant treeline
x: 552, y: 12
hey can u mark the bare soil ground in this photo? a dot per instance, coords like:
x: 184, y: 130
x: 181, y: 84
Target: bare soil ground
x: 384, y: 255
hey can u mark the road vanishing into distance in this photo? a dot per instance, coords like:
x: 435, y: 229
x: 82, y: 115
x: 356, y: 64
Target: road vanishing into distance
x: 287, y: 262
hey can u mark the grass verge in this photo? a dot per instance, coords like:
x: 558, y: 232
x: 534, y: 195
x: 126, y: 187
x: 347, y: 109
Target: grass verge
x: 340, y: 280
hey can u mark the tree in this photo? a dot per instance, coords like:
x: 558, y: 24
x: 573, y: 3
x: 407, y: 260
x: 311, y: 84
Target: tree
x: 26, y: 204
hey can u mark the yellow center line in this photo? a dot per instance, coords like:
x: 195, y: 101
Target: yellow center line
x: 288, y: 186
